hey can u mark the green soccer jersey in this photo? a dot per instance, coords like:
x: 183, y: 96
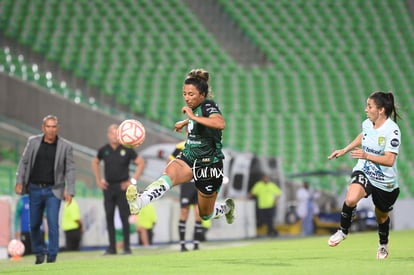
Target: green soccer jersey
x: 203, y: 144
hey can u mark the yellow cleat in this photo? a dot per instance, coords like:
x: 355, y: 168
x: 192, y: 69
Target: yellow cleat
x: 230, y: 210
x: 133, y: 199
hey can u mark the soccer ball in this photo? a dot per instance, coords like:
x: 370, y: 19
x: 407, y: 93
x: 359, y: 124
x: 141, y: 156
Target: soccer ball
x: 131, y: 133
x: 15, y: 248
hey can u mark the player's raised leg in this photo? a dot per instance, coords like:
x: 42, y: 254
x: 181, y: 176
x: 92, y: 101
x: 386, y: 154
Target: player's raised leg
x: 152, y: 192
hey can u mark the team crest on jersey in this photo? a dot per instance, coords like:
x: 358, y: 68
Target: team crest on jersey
x: 122, y: 152
x: 381, y: 141
x: 190, y: 126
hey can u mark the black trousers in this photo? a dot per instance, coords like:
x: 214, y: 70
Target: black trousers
x: 25, y: 238
x: 266, y: 216
x: 115, y: 196
x: 73, y: 239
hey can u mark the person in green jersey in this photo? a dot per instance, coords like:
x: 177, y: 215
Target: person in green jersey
x: 201, y: 159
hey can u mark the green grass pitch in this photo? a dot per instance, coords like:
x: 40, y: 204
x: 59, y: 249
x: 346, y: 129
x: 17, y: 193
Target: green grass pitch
x: 356, y: 255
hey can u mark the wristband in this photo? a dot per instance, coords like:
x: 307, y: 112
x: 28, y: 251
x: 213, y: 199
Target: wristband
x: 133, y: 181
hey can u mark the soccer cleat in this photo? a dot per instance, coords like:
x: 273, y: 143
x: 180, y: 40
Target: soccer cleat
x: 382, y: 252
x: 230, y: 210
x: 336, y: 238
x: 133, y: 199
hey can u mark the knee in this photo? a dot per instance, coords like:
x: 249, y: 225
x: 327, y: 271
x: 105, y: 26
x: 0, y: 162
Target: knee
x: 350, y: 202
x: 380, y: 216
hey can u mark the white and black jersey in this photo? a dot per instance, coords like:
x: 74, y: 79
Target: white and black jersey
x: 387, y: 138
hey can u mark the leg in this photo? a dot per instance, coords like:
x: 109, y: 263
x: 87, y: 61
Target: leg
x: 209, y: 208
x: 37, y: 205
x: 307, y: 224
x: 188, y: 197
x: 176, y: 172
x: 77, y: 239
x: 143, y: 235
x: 73, y: 238
x: 260, y: 217
x: 269, y: 216
x: 182, y: 226
x: 124, y: 214
x: 150, y: 233
x: 355, y: 193
x: 119, y: 238
x: 25, y: 238
x: 383, y: 220
x: 383, y: 202
x: 109, y: 206
x: 198, y: 228
x: 67, y: 240
x: 70, y: 238
x: 383, y: 232
x: 52, y: 216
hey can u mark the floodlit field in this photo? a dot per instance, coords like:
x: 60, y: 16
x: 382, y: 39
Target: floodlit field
x: 356, y: 255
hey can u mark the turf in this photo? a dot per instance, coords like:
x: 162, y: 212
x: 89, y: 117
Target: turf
x: 356, y: 255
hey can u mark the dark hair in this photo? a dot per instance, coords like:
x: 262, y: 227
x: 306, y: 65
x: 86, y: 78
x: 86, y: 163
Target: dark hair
x: 199, y: 78
x: 386, y: 101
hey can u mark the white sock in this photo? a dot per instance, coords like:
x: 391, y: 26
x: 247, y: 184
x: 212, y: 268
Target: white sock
x: 220, y: 209
x: 155, y: 190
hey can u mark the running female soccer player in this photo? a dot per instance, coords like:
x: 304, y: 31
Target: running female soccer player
x: 375, y: 173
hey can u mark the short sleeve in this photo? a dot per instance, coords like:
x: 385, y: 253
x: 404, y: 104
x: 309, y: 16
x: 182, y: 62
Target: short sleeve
x: 393, y: 140
x: 99, y: 155
x: 209, y: 107
x: 133, y: 154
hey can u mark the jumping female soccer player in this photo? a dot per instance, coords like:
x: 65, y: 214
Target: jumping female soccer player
x: 201, y: 159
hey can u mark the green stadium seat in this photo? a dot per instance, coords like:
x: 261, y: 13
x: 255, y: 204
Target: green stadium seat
x: 325, y: 58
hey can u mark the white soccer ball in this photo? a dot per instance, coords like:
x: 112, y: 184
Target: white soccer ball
x: 15, y: 248
x: 131, y: 133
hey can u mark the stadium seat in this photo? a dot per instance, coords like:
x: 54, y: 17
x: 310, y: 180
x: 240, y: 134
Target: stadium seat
x: 324, y: 59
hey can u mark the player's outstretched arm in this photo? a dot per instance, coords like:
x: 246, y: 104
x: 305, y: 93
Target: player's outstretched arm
x: 340, y: 152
